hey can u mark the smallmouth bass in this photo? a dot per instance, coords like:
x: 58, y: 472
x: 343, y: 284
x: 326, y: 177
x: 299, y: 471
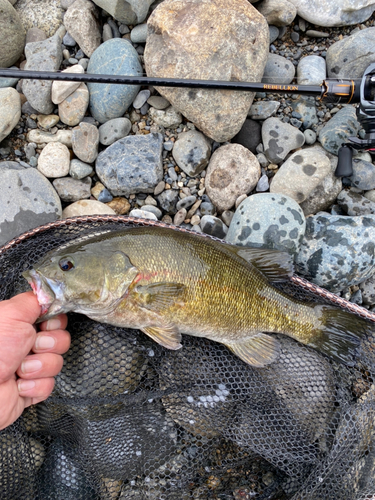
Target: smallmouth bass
x: 166, y: 282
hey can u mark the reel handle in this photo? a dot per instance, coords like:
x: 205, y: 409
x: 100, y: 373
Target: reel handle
x: 345, y: 162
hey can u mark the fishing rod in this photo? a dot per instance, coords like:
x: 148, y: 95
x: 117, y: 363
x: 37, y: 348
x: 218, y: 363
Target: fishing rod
x: 336, y: 91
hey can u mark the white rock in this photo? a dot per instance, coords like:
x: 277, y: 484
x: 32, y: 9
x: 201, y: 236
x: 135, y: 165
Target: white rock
x: 61, y: 90
x: 143, y: 214
x: 10, y: 110
x: 54, y: 160
x: 87, y: 207
x: 40, y: 137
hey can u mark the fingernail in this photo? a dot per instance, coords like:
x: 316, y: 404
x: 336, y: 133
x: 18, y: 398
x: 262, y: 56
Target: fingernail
x: 25, y: 385
x: 32, y: 365
x: 44, y: 342
x: 53, y: 324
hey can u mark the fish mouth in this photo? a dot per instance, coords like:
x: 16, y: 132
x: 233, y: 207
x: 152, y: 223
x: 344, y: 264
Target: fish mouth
x: 49, y: 293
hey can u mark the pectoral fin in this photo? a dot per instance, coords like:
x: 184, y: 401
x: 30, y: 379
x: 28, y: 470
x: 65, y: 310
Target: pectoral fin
x: 168, y: 336
x: 260, y: 350
x: 158, y: 296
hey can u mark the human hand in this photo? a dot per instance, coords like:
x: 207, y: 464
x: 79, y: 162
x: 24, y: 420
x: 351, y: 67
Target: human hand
x: 35, y: 357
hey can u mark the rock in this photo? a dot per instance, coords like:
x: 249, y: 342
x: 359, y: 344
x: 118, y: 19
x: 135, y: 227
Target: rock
x: 141, y: 98
x: 268, y: 220
x: 54, y: 160
x: 128, y: 11
x: 10, y: 111
x: 301, y: 173
x: 158, y: 102
x: 261, y: 110
x: 337, y: 251
x: 48, y: 121
x: 27, y: 200
x: 46, y: 15
x: 263, y: 184
x: 143, y: 214
x: 72, y: 189
x: 139, y: 34
x: 12, y: 35
x: 368, y: 291
x: 354, y: 203
x: 87, y: 207
x: 278, y: 69
x: 179, y: 217
x: 168, y: 118
x: 113, y: 130
x: 81, y: 20
x: 277, y: 12
x: 168, y: 200
x: 349, y: 57
x: 78, y: 169
x: 192, y: 151
x: 363, y: 175
x: 279, y: 139
x: 35, y: 35
x: 213, y: 226
x: 120, y: 205
x: 311, y: 70
x: 41, y: 137
x: 186, y: 202
x: 370, y: 195
x: 305, y: 106
x: 114, y: 57
x: 310, y: 137
x: 193, y: 37
x: 334, y: 12
x: 85, y: 142
x: 68, y: 40
x: 61, y: 90
x: 337, y: 130
x: 249, y: 136
x: 73, y: 108
x: 132, y: 164
x: 233, y: 170
x: 42, y: 56
x: 207, y: 208
x: 154, y: 210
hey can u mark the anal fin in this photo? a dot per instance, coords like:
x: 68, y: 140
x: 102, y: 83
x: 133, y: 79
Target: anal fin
x: 167, y: 335
x: 259, y: 351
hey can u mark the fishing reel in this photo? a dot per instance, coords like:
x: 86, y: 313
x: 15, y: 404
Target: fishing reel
x: 366, y: 117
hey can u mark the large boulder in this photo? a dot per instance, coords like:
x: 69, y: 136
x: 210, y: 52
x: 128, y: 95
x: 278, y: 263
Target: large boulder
x: 47, y: 15
x: 211, y: 40
x: 12, y: 35
x: 126, y: 11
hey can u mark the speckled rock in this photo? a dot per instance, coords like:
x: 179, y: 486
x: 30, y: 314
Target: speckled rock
x: 193, y: 37
x: 27, y: 199
x: 41, y: 137
x: 261, y: 110
x: 168, y: 200
x: 81, y: 20
x: 269, y: 221
x: 278, y: 69
x: 114, y: 57
x: 368, y: 291
x: 132, y: 164
x: 168, y: 118
x: 192, y: 151
x: 279, y: 139
x: 233, y: 170
x: 277, y: 12
x: 12, y: 35
x: 337, y: 130
x: 87, y: 207
x: 47, y: 15
x: 355, y: 203
x: 113, y: 130
x: 128, y: 11
x: 311, y: 70
x: 306, y: 107
x: 71, y: 190
x: 61, y: 90
x: 85, y: 142
x: 337, y: 251
x: 73, y: 108
x: 10, y: 111
x: 213, y: 226
x: 349, y: 57
x: 54, y: 160
x: 363, y: 175
x: 301, y: 173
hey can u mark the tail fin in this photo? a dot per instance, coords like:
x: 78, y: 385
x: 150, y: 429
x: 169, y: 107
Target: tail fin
x: 340, y: 334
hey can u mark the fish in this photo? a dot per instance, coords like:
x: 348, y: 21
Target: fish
x: 167, y: 282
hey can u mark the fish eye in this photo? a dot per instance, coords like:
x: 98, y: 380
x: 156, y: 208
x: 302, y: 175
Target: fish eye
x: 66, y: 264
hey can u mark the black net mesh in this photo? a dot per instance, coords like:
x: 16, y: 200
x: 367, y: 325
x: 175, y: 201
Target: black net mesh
x: 129, y: 419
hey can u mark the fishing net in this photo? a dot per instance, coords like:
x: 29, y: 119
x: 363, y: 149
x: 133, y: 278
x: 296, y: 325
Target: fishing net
x: 131, y: 420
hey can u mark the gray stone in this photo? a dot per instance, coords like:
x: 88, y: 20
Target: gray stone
x: 85, y: 142
x: 279, y: 139
x: 233, y: 171
x: 68, y: 40
x: 337, y: 130
x: 87, y: 207
x: 370, y: 195
x: 213, y: 226
x: 154, y: 210
x: 192, y: 152
x: 186, y: 202
x: 168, y: 118
x: 141, y: 98
x: 354, y: 203
x: 268, y: 220
x: 334, y: 12
x: 311, y: 70
x: 128, y: 11
x: 310, y: 136
x: 158, y: 102
x: 178, y: 32
x: 71, y: 190
x: 301, y: 173
x: 207, y: 208
x: 132, y: 164
x: 27, y: 200
x: 363, y: 175
x: 139, y: 34
x: 274, y: 33
x: 10, y: 111
x: 337, y: 251
x: 261, y: 110
x: 349, y: 57
x: 263, y: 184
x: 249, y: 136
x: 168, y: 200
x: 368, y: 291
x: 113, y: 130
x: 35, y: 35
x: 12, y: 35
x: 42, y: 56
x: 278, y: 69
x: 143, y: 214
x: 47, y: 15
x: 277, y: 12
x: 81, y: 20
x: 305, y: 106
x: 78, y: 169
x: 54, y: 160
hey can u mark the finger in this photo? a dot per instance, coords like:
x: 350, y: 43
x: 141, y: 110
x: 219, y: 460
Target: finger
x: 13, y: 405
x: 40, y: 366
x: 23, y: 307
x: 57, y: 341
x: 58, y: 323
x: 35, y: 391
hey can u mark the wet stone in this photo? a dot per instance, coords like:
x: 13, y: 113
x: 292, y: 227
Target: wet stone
x: 213, y: 226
